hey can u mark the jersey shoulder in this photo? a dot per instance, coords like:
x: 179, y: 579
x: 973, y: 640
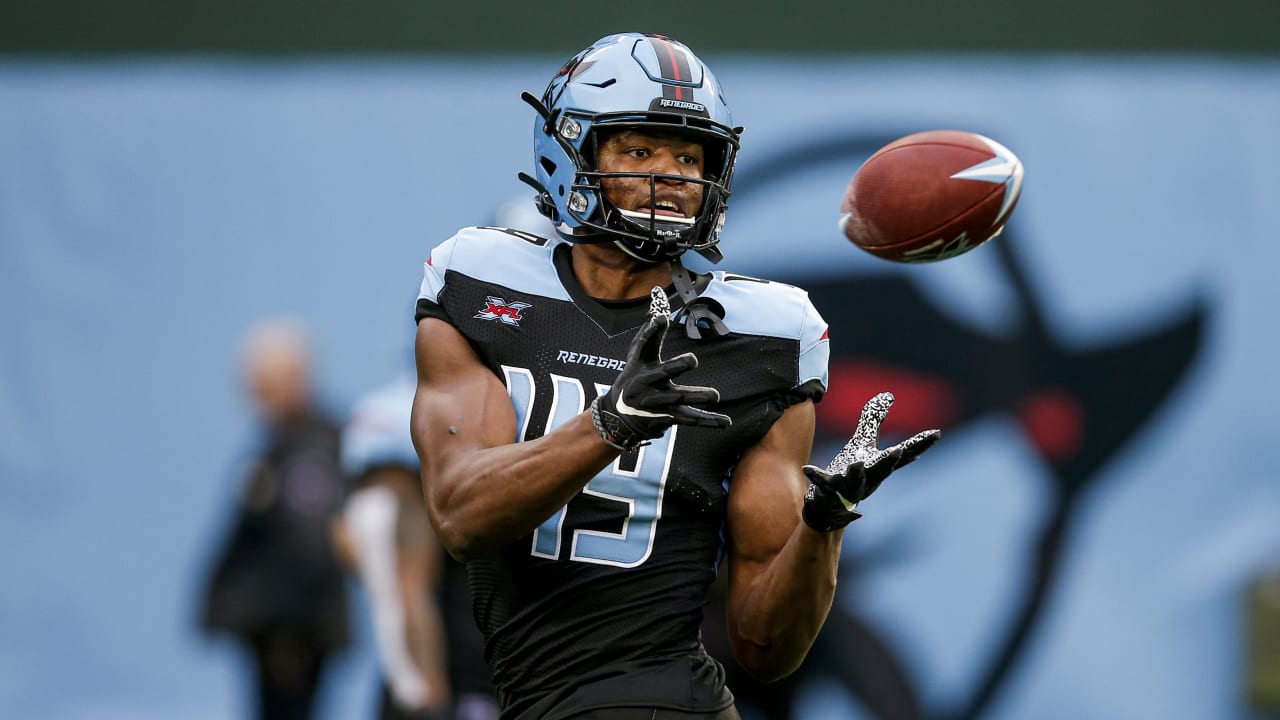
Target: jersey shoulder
x: 504, y: 257
x: 765, y: 307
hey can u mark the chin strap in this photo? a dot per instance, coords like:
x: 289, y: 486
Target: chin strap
x: 699, y: 314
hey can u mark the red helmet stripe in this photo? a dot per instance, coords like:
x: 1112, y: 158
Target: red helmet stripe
x: 674, y: 66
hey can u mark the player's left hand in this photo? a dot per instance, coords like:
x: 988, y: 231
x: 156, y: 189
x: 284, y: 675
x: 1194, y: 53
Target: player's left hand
x: 645, y: 400
x: 858, y: 469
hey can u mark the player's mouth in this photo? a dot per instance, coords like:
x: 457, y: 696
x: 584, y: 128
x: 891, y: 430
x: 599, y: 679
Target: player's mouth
x: 668, y: 211
x: 665, y: 208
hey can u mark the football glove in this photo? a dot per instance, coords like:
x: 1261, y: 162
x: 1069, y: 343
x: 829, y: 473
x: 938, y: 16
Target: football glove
x: 643, y: 402
x: 858, y: 469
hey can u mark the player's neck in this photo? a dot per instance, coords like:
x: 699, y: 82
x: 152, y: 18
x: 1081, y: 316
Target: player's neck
x: 607, y: 273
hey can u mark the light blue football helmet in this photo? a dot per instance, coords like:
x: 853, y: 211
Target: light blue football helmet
x: 636, y: 81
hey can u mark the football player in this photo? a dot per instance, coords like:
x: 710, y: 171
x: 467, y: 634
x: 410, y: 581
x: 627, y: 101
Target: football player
x: 599, y: 427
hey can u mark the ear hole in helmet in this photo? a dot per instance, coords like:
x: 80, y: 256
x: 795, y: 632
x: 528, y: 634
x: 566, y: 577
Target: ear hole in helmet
x: 547, y: 165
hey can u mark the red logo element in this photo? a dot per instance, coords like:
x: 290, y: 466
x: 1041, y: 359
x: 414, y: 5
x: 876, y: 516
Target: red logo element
x: 499, y: 309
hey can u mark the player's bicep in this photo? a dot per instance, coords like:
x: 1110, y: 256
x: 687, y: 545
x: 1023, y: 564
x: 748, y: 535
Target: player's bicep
x: 460, y: 405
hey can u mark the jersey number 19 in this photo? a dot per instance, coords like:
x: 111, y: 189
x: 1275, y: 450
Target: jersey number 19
x: 639, y: 486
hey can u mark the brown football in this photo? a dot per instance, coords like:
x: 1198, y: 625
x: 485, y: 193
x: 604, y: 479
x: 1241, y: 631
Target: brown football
x: 931, y: 196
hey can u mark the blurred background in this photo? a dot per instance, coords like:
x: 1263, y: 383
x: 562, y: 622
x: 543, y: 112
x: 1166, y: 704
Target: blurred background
x: 1097, y: 536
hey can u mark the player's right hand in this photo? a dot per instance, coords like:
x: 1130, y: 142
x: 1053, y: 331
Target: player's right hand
x: 643, y: 402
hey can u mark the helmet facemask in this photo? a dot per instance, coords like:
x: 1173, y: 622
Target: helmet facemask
x: 647, y: 234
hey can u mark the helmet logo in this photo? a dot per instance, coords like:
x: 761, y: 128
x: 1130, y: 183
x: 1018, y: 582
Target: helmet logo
x: 685, y: 106
x: 682, y: 105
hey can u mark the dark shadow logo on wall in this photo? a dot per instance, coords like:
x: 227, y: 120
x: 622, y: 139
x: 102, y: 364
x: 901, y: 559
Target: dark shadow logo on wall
x: 1078, y: 407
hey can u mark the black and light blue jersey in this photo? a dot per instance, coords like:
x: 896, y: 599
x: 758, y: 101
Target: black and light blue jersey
x: 601, y: 605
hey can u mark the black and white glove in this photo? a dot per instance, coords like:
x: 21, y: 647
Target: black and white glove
x: 858, y: 469
x: 643, y: 402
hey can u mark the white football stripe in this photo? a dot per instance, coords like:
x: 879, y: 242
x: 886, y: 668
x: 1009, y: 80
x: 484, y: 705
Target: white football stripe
x: 1004, y: 168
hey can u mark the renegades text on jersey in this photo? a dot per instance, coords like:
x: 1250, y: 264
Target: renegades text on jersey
x: 601, y: 605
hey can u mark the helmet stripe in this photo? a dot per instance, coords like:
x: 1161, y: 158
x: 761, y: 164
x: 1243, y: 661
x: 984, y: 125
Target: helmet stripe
x: 674, y: 66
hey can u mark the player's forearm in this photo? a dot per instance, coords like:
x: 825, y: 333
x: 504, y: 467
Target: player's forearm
x: 778, y: 617
x: 487, y: 498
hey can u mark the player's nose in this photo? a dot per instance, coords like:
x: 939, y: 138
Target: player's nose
x: 666, y: 163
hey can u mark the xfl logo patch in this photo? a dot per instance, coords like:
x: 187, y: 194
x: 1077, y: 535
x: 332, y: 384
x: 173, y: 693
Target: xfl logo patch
x: 499, y: 309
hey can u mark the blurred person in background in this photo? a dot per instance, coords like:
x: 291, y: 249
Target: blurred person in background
x: 276, y: 585
x: 430, y: 672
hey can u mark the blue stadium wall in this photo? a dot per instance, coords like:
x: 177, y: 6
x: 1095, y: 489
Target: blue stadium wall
x: 1079, y: 545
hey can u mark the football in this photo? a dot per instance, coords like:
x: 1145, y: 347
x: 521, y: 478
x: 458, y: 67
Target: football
x: 931, y: 196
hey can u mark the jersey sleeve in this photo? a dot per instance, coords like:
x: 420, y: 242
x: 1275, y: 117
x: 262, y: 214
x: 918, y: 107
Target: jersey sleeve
x: 497, y: 257
x: 815, y: 353
x: 433, y: 280
x: 785, y: 316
